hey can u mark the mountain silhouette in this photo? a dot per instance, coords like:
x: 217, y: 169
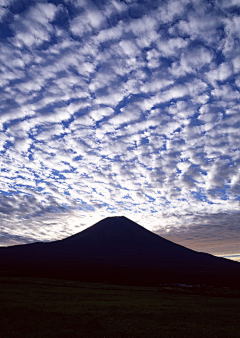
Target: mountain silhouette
x: 118, y: 250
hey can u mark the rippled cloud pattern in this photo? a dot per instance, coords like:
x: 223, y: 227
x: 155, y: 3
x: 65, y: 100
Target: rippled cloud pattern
x: 119, y: 108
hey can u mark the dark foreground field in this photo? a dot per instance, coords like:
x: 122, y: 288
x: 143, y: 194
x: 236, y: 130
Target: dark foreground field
x: 52, y: 308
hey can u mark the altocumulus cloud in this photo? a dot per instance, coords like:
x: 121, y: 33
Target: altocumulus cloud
x: 120, y: 107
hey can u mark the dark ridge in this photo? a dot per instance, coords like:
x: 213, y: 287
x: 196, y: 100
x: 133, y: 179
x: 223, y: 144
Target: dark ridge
x: 118, y: 250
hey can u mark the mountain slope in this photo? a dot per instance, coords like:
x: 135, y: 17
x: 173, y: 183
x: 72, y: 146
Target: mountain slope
x: 121, y: 251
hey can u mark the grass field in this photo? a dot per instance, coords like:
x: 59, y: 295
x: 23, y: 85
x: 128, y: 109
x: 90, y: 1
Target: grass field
x: 54, y: 308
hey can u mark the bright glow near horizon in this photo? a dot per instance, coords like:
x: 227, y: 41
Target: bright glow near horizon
x: 121, y: 108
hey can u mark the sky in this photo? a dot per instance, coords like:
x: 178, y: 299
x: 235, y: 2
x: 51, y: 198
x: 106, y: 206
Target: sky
x: 121, y: 108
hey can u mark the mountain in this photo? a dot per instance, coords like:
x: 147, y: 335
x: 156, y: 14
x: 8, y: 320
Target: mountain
x: 118, y: 250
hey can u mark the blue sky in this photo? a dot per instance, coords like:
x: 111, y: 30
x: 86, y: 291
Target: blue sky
x: 121, y: 108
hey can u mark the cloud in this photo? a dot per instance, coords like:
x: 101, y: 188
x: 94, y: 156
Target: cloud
x: 118, y: 108
x: 33, y: 27
x: 85, y: 23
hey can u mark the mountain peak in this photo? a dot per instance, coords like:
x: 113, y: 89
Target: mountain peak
x: 116, y: 218
x: 118, y: 249
x: 115, y: 221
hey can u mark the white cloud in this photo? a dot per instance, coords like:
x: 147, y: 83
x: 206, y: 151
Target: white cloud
x: 33, y: 28
x: 221, y: 73
x: 129, y: 48
x: 195, y: 59
x: 86, y: 21
x: 175, y: 92
x: 236, y: 64
x: 100, y: 113
x: 171, y: 47
x: 22, y: 145
x: 120, y: 110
